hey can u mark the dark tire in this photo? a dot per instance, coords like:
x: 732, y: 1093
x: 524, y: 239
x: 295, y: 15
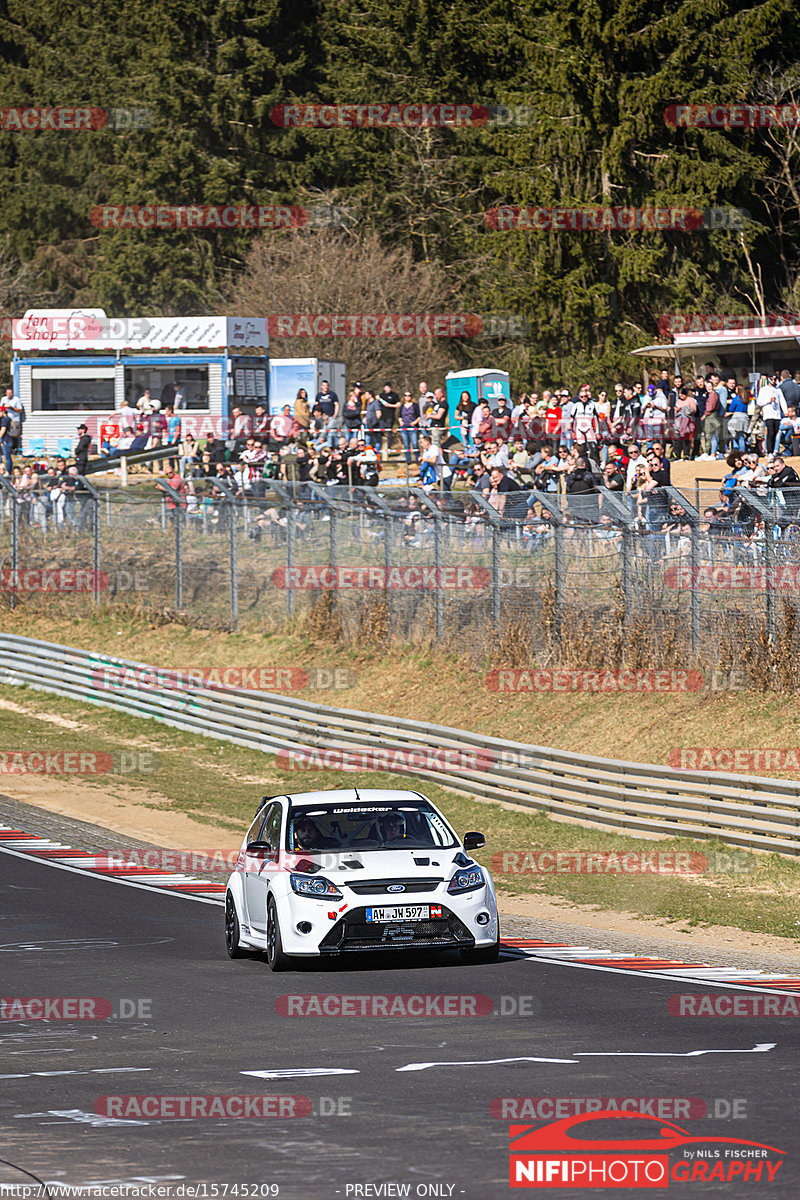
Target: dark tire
x: 484, y: 954
x: 232, y: 931
x: 276, y: 959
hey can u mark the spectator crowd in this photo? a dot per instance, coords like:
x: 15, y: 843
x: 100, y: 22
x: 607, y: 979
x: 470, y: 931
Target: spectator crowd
x: 623, y: 439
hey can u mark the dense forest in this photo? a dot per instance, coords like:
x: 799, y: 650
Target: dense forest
x: 196, y: 95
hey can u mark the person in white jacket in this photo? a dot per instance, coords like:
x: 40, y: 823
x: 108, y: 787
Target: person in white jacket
x: 772, y: 402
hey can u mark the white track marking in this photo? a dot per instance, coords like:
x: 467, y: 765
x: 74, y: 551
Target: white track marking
x: 158, y: 891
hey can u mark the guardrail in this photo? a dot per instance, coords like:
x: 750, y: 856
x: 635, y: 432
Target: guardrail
x: 637, y: 798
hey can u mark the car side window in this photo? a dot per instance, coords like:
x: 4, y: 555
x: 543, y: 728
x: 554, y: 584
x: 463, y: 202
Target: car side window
x: 253, y: 831
x: 272, y: 827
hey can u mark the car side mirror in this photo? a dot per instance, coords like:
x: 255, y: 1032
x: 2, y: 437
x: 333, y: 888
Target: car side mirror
x: 474, y: 841
x: 254, y: 847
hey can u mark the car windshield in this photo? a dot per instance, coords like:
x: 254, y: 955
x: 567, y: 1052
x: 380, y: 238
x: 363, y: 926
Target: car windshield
x: 371, y: 827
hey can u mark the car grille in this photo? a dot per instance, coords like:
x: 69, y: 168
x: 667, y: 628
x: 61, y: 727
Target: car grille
x: 354, y: 932
x: 375, y: 887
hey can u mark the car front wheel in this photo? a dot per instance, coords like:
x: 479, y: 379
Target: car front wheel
x: 232, y: 932
x: 276, y: 959
x: 483, y: 954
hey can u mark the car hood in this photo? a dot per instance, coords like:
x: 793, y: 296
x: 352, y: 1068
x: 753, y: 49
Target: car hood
x: 360, y: 866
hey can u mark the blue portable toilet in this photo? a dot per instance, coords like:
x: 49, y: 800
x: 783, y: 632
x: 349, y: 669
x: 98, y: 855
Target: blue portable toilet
x: 482, y: 383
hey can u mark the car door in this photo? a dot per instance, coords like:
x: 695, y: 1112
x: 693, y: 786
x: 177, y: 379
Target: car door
x: 261, y: 866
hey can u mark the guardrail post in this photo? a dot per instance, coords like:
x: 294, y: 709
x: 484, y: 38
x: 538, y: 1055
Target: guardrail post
x: 234, y: 566
x: 290, y: 539
x: 496, y: 560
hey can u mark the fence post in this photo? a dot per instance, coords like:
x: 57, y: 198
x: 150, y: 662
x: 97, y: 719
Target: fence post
x: 290, y: 536
x: 234, y: 567
x: 558, y: 614
x: 95, y: 502
x: 163, y: 515
x: 437, y: 563
x: 332, y: 548
x: 627, y: 570
x: 14, y: 500
x: 496, y: 574
x: 695, y: 593
x: 178, y: 514
x: 769, y: 556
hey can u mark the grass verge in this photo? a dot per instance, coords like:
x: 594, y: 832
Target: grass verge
x: 219, y: 784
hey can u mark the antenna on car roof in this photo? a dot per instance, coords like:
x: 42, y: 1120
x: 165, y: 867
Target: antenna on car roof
x: 358, y: 798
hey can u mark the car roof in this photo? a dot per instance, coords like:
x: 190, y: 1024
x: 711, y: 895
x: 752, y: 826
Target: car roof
x: 358, y: 798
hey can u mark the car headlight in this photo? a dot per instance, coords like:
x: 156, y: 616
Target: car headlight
x: 466, y: 880
x: 316, y: 886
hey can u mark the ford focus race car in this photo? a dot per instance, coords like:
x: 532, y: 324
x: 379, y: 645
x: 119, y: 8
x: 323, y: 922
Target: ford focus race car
x: 324, y: 873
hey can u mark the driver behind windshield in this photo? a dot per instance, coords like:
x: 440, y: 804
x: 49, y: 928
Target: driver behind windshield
x: 308, y: 837
x: 392, y: 826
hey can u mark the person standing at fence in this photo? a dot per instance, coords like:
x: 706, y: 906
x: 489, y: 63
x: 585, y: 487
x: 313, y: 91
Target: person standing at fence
x: 82, y: 448
x: 737, y: 419
x: 772, y: 403
x: 439, y: 417
x: 373, y: 421
x: 390, y: 405
x: 409, y: 426
x: 6, y: 440
x: 173, y: 433
x: 328, y: 402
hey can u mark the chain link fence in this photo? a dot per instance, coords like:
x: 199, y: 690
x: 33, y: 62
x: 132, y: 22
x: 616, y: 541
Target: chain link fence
x: 590, y: 573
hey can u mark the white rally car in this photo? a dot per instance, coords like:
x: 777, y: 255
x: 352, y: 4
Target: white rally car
x: 324, y: 873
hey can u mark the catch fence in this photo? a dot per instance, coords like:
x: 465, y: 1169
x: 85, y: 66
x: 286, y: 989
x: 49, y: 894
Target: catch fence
x: 405, y: 564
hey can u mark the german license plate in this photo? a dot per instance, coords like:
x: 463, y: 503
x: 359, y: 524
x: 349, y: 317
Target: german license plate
x: 405, y: 912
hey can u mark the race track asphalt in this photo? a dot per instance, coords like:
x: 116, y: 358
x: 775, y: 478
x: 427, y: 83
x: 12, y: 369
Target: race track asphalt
x: 200, y: 1021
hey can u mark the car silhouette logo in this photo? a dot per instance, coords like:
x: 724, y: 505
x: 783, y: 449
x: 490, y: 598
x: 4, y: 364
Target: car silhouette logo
x: 556, y: 1136
x: 396, y: 887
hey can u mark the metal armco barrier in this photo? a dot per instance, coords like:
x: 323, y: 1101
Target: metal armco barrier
x: 637, y: 798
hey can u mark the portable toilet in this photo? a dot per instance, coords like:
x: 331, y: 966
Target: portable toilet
x: 482, y: 383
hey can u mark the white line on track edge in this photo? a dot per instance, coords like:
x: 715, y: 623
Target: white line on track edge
x: 157, y: 891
